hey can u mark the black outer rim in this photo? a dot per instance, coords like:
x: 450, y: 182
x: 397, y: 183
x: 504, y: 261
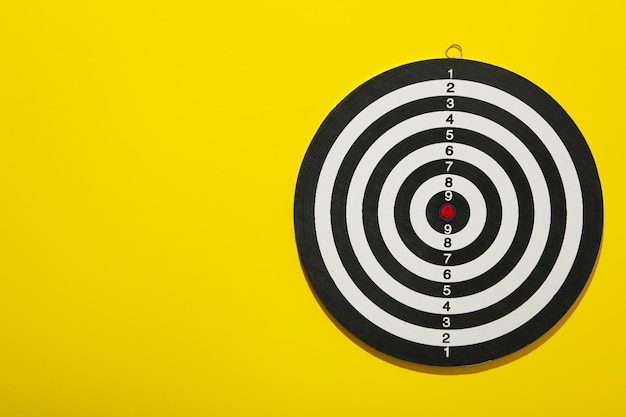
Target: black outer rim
x: 540, y: 101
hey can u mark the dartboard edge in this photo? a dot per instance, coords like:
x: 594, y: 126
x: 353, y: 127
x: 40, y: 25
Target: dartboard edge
x: 448, y: 212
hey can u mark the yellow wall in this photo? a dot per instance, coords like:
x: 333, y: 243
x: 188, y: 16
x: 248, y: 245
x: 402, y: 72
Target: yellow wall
x: 148, y: 158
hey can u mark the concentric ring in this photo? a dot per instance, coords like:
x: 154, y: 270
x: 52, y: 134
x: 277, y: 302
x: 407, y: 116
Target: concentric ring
x: 419, y: 220
x: 443, y: 208
x: 390, y: 234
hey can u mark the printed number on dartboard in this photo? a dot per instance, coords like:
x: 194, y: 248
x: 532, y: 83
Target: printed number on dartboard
x: 448, y: 198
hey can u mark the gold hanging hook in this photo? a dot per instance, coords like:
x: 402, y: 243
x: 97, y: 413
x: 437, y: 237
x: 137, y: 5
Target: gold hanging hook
x: 456, y: 47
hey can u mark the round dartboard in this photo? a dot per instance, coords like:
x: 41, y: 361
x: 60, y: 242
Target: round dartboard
x: 448, y: 212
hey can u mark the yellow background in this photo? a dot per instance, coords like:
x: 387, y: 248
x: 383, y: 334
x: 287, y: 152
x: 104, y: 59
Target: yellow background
x: 148, y: 158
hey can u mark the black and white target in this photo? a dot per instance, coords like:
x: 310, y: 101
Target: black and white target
x: 448, y: 212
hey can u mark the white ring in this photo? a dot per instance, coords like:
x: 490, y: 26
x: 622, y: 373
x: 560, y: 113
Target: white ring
x: 474, y: 268
x: 434, y: 272
x: 435, y: 238
x: 390, y: 234
x: 496, y: 328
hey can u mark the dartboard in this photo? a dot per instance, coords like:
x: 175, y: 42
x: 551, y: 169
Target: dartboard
x: 448, y: 212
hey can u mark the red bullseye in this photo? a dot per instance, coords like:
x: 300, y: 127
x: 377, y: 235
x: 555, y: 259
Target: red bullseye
x: 447, y: 211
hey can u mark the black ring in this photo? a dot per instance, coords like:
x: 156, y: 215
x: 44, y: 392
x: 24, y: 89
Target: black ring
x: 321, y: 278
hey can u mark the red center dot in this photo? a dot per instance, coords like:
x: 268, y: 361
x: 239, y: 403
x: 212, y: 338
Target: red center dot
x: 447, y: 211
